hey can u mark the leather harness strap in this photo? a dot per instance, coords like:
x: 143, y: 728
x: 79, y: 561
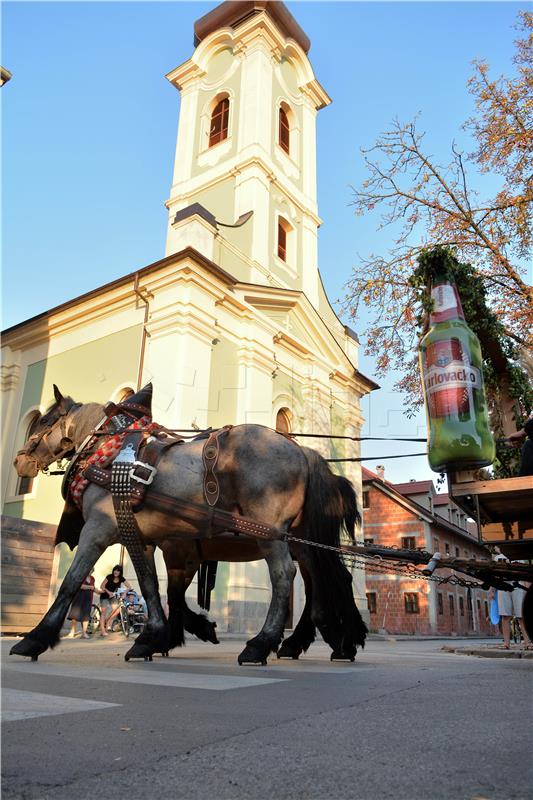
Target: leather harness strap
x: 128, y: 529
x: 142, y: 472
x: 210, y: 455
x: 198, y: 514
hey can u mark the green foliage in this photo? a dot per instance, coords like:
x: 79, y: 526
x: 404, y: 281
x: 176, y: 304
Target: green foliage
x: 500, y: 354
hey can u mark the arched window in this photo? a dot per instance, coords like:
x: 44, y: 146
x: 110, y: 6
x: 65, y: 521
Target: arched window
x: 218, y: 130
x: 125, y: 393
x: 283, y: 420
x: 25, y: 484
x: 284, y: 131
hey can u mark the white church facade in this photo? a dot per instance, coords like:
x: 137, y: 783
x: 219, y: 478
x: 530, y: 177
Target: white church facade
x: 233, y: 325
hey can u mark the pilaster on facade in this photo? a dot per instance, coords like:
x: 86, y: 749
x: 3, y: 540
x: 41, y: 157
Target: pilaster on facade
x: 255, y: 115
x: 9, y: 377
x: 179, y: 365
x: 12, y: 387
x: 254, y: 404
x: 185, y: 144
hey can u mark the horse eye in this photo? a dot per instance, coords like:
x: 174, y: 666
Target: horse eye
x: 65, y: 442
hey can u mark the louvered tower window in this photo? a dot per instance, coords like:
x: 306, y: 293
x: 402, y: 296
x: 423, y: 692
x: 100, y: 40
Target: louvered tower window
x: 282, y: 240
x: 284, y: 131
x: 219, y: 122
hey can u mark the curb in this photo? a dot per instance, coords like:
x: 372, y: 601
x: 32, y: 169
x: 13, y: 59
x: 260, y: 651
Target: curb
x: 488, y: 653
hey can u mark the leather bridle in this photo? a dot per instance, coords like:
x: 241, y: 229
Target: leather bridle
x: 43, y: 461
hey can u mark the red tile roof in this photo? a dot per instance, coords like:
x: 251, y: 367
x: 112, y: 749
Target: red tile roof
x: 415, y: 487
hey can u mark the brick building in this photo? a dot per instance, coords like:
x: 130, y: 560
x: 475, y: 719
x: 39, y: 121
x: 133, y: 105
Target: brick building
x: 412, y: 515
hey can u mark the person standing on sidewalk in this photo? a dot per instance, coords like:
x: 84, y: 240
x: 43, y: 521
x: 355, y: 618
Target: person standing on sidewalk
x: 509, y: 606
x: 80, y: 609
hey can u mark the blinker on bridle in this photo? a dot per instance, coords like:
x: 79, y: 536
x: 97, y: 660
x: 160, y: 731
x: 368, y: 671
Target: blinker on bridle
x: 42, y: 436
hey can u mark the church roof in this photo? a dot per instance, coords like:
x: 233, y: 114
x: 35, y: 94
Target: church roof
x: 232, y: 13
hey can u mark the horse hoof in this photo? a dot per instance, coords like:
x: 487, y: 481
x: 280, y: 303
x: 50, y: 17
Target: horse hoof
x: 338, y: 655
x: 27, y: 647
x: 164, y: 655
x: 251, y: 656
x: 139, y: 651
x: 288, y: 652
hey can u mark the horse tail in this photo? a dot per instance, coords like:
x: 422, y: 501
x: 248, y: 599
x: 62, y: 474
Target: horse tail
x: 330, y: 503
x: 351, y: 515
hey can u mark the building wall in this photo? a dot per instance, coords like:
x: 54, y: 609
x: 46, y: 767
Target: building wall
x: 213, y: 358
x: 386, y: 522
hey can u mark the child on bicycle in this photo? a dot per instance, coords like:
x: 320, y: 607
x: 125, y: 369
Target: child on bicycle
x: 135, y: 606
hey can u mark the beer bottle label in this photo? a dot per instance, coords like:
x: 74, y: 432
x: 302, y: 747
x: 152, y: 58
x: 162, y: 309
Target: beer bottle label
x: 449, y: 379
x: 446, y: 303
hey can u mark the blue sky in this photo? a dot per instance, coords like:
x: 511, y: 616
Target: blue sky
x: 89, y: 125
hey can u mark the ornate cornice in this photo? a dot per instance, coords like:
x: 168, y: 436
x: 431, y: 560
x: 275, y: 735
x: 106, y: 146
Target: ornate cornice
x: 268, y: 170
x: 116, y: 296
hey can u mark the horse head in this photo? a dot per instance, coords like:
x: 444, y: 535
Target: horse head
x: 50, y: 441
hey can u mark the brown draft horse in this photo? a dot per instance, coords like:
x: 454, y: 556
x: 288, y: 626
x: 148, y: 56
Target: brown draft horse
x: 262, y: 476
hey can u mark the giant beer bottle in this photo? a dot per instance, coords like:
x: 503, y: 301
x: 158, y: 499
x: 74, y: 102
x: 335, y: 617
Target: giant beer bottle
x: 452, y: 377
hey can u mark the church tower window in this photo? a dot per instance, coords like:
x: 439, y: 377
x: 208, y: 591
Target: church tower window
x: 219, y: 122
x: 284, y: 131
x: 282, y: 239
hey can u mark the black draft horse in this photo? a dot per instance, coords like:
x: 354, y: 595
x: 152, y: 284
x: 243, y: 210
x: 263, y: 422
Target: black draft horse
x: 183, y: 560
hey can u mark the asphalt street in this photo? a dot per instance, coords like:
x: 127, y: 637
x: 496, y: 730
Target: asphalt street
x: 406, y: 720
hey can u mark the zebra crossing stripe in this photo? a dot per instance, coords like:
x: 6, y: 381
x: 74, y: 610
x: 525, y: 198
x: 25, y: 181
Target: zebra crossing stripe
x: 17, y: 705
x: 148, y: 676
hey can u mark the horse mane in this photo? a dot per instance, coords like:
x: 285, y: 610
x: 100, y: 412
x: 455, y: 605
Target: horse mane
x: 51, y: 413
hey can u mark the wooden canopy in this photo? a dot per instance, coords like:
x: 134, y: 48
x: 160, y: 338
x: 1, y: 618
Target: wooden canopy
x: 503, y: 509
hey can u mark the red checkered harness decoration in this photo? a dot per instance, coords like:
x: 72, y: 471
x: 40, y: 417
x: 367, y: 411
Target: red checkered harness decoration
x: 105, y: 454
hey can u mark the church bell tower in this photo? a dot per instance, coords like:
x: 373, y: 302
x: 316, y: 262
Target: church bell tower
x: 247, y: 143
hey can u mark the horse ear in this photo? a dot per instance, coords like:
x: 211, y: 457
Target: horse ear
x: 58, y: 396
